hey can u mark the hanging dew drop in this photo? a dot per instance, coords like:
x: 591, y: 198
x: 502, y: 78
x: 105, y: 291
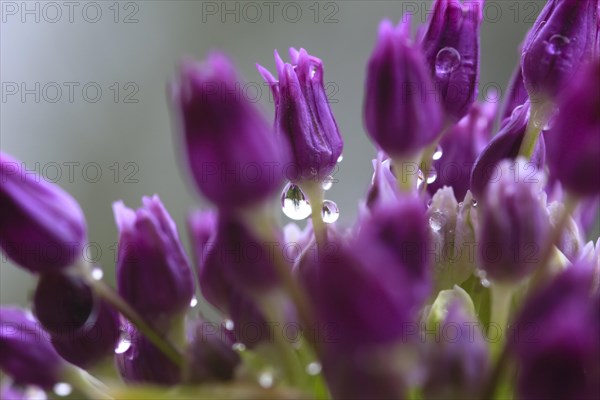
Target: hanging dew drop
x: 62, y: 389
x: 557, y: 44
x: 438, y: 153
x: 447, y: 61
x: 266, y: 380
x: 431, y: 176
x: 327, y: 183
x: 97, y: 273
x: 330, y: 212
x: 340, y: 158
x: 314, y: 368
x: 194, y: 302
x: 124, y: 344
x: 294, y: 203
x: 437, y: 220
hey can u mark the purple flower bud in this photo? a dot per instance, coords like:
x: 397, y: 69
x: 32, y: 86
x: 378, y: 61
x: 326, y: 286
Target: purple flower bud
x: 402, y: 114
x: 516, y: 93
x: 561, y: 40
x: 574, y: 140
x: 142, y: 362
x: 202, y: 227
x: 384, y: 186
x: 84, y: 329
x: 303, y: 114
x: 460, y: 147
x: 451, y: 47
x: 153, y: 272
x: 25, y: 350
x: 556, y: 339
x: 42, y: 228
x: 514, y: 224
x: 396, y: 237
x: 210, y: 356
x: 233, y: 154
x: 505, y: 146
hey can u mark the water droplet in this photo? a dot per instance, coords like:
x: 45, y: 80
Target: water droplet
x: 429, y: 203
x: 124, y: 344
x: 327, y: 183
x: 431, y: 176
x: 97, y: 273
x: 474, y: 203
x: 194, y: 302
x: 314, y: 368
x: 266, y: 380
x: 239, y: 347
x: 437, y: 220
x: 35, y: 393
x: 556, y: 44
x: 447, y: 61
x: 62, y: 389
x: 330, y: 212
x: 420, y: 180
x: 439, y: 152
x: 313, y: 171
x: 340, y: 158
x: 294, y: 203
x: 485, y: 282
x: 229, y: 325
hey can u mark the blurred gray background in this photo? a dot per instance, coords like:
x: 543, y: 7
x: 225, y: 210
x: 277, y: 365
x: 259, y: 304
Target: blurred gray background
x: 84, y: 83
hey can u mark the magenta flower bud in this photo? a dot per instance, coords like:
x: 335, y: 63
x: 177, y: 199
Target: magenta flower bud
x: 142, y: 362
x: 233, y: 154
x: 210, y: 356
x: 303, y: 115
x: 505, y: 146
x: 83, y: 328
x: 26, y: 353
x: 402, y: 114
x: 561, y: 40
x: 574, y: 140
x: 42, y: 228
x: 514, y: 223
x: 153, y: 272
x: 460, y: 147
x: 556, y: 339
x: 451, y: 47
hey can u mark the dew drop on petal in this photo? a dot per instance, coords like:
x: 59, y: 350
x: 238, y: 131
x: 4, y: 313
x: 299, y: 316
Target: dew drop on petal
x: 229, y: 325
x: 294, y: 203
x: 314, y: 368
x: 97, y: 273
x: 327, y: 183
x: 265, y: 379
x: 431, y: 176
x: 340, y: 158
x: 556, y: 44
x: 62, y: 389
x: 330, y: 212
x: 447, y: 61
x: 485, y: 282
x: 439, y: 152
x: 194, y: 302
x: 124, y: 344
x: 437, y: 220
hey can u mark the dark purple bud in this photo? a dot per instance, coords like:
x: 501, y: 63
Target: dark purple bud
x: 402, y: 113
x: 232, y: 151
x: 561, y: 40
x: 574, y: 140
x: 396, y: 237
x: 26, y: 353
x: 505, y: 146
x: 303, y: 114
x: 460, y: 147
x: 142, y: 362
x: 153, y: 272
x: 84, y: 329
x: 556, y: 339
x: 209, y: 354
x: 42, y: 228
x: 458, y: 363
x: 514, y: 223
x: 516, y: 93
x: 451, y: 47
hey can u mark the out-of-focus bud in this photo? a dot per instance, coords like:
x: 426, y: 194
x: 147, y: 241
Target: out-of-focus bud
x: 574, y: 139
x: 84, y: 329
x: 142, y: 362
x: 25, y: 350
x: 514, y: 223
x: 561, y: 40
x: 459, y: 149
x: 384, y: 187
x: 232, y: 151
x: 556, y: 339
x: 402, y: 113
x: 202, y: 227
x: 42, y: 228
x: 296, y: 241
x: 210, y: 356
x: 303, y: 115
x: 12, y: 391
x: 153, y: 272
x: 459, y: 361
x: 451, y: 47
x: 395, y: 237
x: 571, y: 241
x: 505, y: 146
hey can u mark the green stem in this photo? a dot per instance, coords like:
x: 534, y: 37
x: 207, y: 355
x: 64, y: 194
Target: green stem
x: 109, y: 295
x: 407, y: 172
x: 539, y: 114
x: 316, y: 194
x: 501, y: 300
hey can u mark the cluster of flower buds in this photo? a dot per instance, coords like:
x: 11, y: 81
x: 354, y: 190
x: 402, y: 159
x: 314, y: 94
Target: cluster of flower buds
x: 468, y: 258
